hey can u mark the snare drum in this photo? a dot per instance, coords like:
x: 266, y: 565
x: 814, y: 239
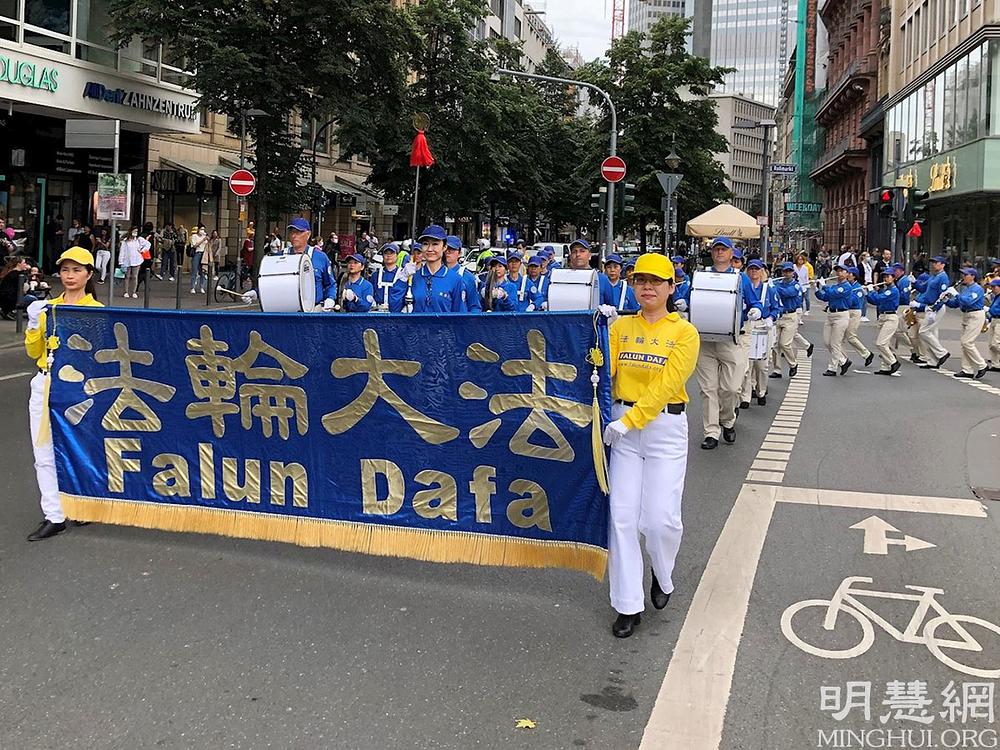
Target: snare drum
x: 572, y: 289
x: 286, y: 283
x: 760, y: 342
x: 716, y: 305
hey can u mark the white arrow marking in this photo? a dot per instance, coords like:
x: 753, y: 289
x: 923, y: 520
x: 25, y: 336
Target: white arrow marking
x: 877, y: 540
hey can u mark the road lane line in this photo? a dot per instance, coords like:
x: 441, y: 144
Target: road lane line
x: 774, y: 455
x: 779, y: 438
x: 15, y: 375
x: 766, y: 465
x: 879, y: 501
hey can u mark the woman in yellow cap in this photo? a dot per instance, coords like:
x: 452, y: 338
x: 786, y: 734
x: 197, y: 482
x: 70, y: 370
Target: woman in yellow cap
x: 76, y: 272
x: 652, y: 356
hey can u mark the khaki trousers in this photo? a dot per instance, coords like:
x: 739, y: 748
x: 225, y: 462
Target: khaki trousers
x: 929, y: 335
x: 720, y: 371
x: 851, y: 336
x: 833, y: 336
x: 994, y: 334
x: 972, y: 326
x: 788, y: 329
x: 910, y: 334
x: 888, y: 325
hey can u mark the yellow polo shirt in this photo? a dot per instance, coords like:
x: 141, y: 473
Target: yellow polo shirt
x: 650, y: 363
x: 34, y: 341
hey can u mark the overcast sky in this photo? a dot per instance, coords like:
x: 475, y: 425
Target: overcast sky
x: 586, y: 23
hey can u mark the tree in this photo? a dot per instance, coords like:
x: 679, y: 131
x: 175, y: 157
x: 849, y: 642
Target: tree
x: 660, y: 91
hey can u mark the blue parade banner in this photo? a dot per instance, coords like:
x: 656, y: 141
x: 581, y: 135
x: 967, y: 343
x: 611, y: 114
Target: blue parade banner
x: 451, y: 438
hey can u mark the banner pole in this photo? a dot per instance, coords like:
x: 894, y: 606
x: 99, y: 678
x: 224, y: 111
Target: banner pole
x: 416, y: 193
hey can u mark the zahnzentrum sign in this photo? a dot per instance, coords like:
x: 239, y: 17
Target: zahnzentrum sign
x: 139, y: 100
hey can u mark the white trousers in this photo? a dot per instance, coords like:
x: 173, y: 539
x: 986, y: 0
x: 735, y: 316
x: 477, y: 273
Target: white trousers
x: 102, y: 259
x: 45, y: 457
x: 972, y: 327
x: 851, y: 337
x: 994, y: 334
x: 833, y: 336
x: 721, y: 367
x: 647, y: 482
x: 888, y: 326
x: 788, y: 330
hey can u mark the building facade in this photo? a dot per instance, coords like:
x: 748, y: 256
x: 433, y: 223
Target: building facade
x: 642, y: 15
x: 842, y: 168
x: 744, y: 162
x: 942, y: 122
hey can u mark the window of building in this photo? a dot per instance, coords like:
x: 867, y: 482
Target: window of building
x: 932, y: 21
x: 948, y: 131
x: 305, y: 133
x: 517, y: 28
x: 51, y: 15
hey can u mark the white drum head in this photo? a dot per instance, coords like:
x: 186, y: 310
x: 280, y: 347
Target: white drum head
x: 286, y: 284
x: 572, y: 289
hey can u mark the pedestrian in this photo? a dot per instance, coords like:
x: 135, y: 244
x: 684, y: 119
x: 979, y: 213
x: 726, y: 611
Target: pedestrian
x: 7, y: 246
x: 930, y: 311
x: 790, y: 296
x: 148, y: 254
x: 197, y: 249
x: 168, y: 251
x: 73, y: 232
x: 837, y: 297
x: 130, y: 259
x: 76, y: 272
x: 803, y: 273
x: 884, y: 262
x: 213, y: 257
x: 857, y: 297
x: 886, y: 302
x: 971, y: 302
x: 102, y: 251
x: 653, y: 354
x: 867, y: 268
x: 35, y: 287
x: 9, y: 276
x: 823, y: 266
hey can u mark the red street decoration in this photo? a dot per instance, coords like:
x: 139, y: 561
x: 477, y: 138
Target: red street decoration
x: 421, y: 155
x: 915, y: 230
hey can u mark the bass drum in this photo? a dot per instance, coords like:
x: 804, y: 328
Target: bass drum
x: 760, y: 342
x: 571, y: 289
x: 716, y: 305
x: 286, y: 284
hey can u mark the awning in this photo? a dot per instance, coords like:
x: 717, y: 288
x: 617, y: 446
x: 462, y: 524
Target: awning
x: 199, y: 168
x: 725, y: 220
x: 369, y: 193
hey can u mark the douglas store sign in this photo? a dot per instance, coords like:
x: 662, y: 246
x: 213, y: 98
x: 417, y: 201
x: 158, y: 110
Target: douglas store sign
x: 28, y: 74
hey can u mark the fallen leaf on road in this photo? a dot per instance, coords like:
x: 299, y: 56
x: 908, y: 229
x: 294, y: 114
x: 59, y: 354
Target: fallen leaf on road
x: 525, y: 724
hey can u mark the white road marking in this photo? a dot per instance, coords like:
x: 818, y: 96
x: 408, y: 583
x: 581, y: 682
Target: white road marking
x: 15, y: 375
x: 765, y: 476
x: 766, y: 465
x: 774, y: 455
x: 690, y: 708
x: 779, y: 438
x: 877, y: 539
x: 771, y: 446
x: 783, y: 431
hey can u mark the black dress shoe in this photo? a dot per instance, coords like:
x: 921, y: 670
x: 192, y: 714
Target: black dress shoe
x: 845, y: 367
x: 895, y: 367
x: 47, y: 529
x: 869, y: 358
x: 775, y: 375
x: 709, y: 444
x: 809, y: 350
x: 994, y: 369
x: 981, y: 373
x: 625, y: 625
x: 915, y: 359
x: 762, y: 401
x: 729, y: 434
x: 829, y: 374
x: 792, y: 371
x: 882, y: 372
x: 964, y: 375
x: 744, y: 404
x: 657, y: 596
x: 943, y: 359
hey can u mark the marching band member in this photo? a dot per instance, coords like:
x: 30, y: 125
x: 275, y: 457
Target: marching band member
x: 76, y: 271
x: 856, y: 312
x: 652, y: 356
x: 993, y: 315
x: 579, y: 255
x: 682, y: 286
x: 615, y: 291
x: 929, y: 306
x: 971, y: 301
x: 755, y: 381
x: 433, y: 287
x: 629, y: 269
x: 789, y: 291
x: 886, y: 302
x: 905, y: 332
x: 538, y: 285
x: 722, y: 364
x: 993, y: 274
x: 387, y: 275
x: 838, y: 299
x: 358, y: 294
x: 299, y: 233
x: 551, y: 253
x: 517, y: 276
x: 470, y: 289
x: 501, y: 294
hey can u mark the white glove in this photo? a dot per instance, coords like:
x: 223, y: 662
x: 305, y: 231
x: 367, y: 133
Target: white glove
x: 349, y: 295
x: 544, y: 307
x: 821, y: 283
x: 530, y: 308
x: 768, y: 323
x: 614, y: 432
x: 681, y: 305
x: 328, y: 305
x: 609, y: 312
x: 930, y: 317
x: 249, y: 298
x: 753, y: 314
x: 912, y: 279
x: 34, y: 311
x: 951, y: 292
x: 914, y: 304
x: 865, y: 288
x: 409, y: 269
x: 499, y: 293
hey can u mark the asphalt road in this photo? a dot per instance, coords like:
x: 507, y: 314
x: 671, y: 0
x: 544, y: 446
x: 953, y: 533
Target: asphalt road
x: 114, y: 637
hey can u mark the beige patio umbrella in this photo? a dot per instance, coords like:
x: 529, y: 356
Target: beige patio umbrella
x: 725, y: 220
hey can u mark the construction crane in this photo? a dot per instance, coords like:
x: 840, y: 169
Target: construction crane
x: 617, y: 19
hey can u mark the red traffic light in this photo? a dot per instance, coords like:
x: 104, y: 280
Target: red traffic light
x: 886, y: 196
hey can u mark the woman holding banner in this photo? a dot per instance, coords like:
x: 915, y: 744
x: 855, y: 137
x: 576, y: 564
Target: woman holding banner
x: 76, y: 272
x: 652, y: 356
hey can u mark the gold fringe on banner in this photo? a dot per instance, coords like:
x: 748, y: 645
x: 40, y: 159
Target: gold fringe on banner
x: 349, y: 536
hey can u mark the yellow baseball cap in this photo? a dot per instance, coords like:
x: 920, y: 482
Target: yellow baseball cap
x: 655, y: 264
x: 78, y: 254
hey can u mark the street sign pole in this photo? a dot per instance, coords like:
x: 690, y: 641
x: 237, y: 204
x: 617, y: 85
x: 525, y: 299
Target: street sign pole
x: 669, y: 182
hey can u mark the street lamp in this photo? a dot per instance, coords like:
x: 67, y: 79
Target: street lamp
x: 765, y: 178
x: 669, y: 182
x: 317, y: 205
x: 610, y: 231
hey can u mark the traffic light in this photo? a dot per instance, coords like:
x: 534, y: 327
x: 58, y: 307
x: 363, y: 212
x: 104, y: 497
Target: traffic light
x: 599, y: 199
x: 628, y: 198
x: 887, y: 202
x: 917, y: 203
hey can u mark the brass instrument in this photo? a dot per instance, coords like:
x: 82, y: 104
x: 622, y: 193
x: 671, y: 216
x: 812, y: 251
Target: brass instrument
x: 491, y: 280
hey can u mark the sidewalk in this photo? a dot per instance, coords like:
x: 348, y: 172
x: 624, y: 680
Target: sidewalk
x: 162, y: 295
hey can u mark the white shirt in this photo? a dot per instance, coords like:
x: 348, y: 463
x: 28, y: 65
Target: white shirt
x: 803, y: 273
x: 130, y: 253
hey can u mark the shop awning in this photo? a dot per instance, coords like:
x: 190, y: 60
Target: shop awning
x: 199, y: 168
x: 725, y: 220
x: 369, y: 193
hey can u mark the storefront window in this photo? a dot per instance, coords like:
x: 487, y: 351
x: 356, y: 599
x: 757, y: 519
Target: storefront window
x: 46, y: 42
x: 52, y: 15
x: 92, y: 21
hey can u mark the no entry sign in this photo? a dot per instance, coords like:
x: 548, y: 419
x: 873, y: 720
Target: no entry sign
x: 242, y: 182
x: 613, y: 169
